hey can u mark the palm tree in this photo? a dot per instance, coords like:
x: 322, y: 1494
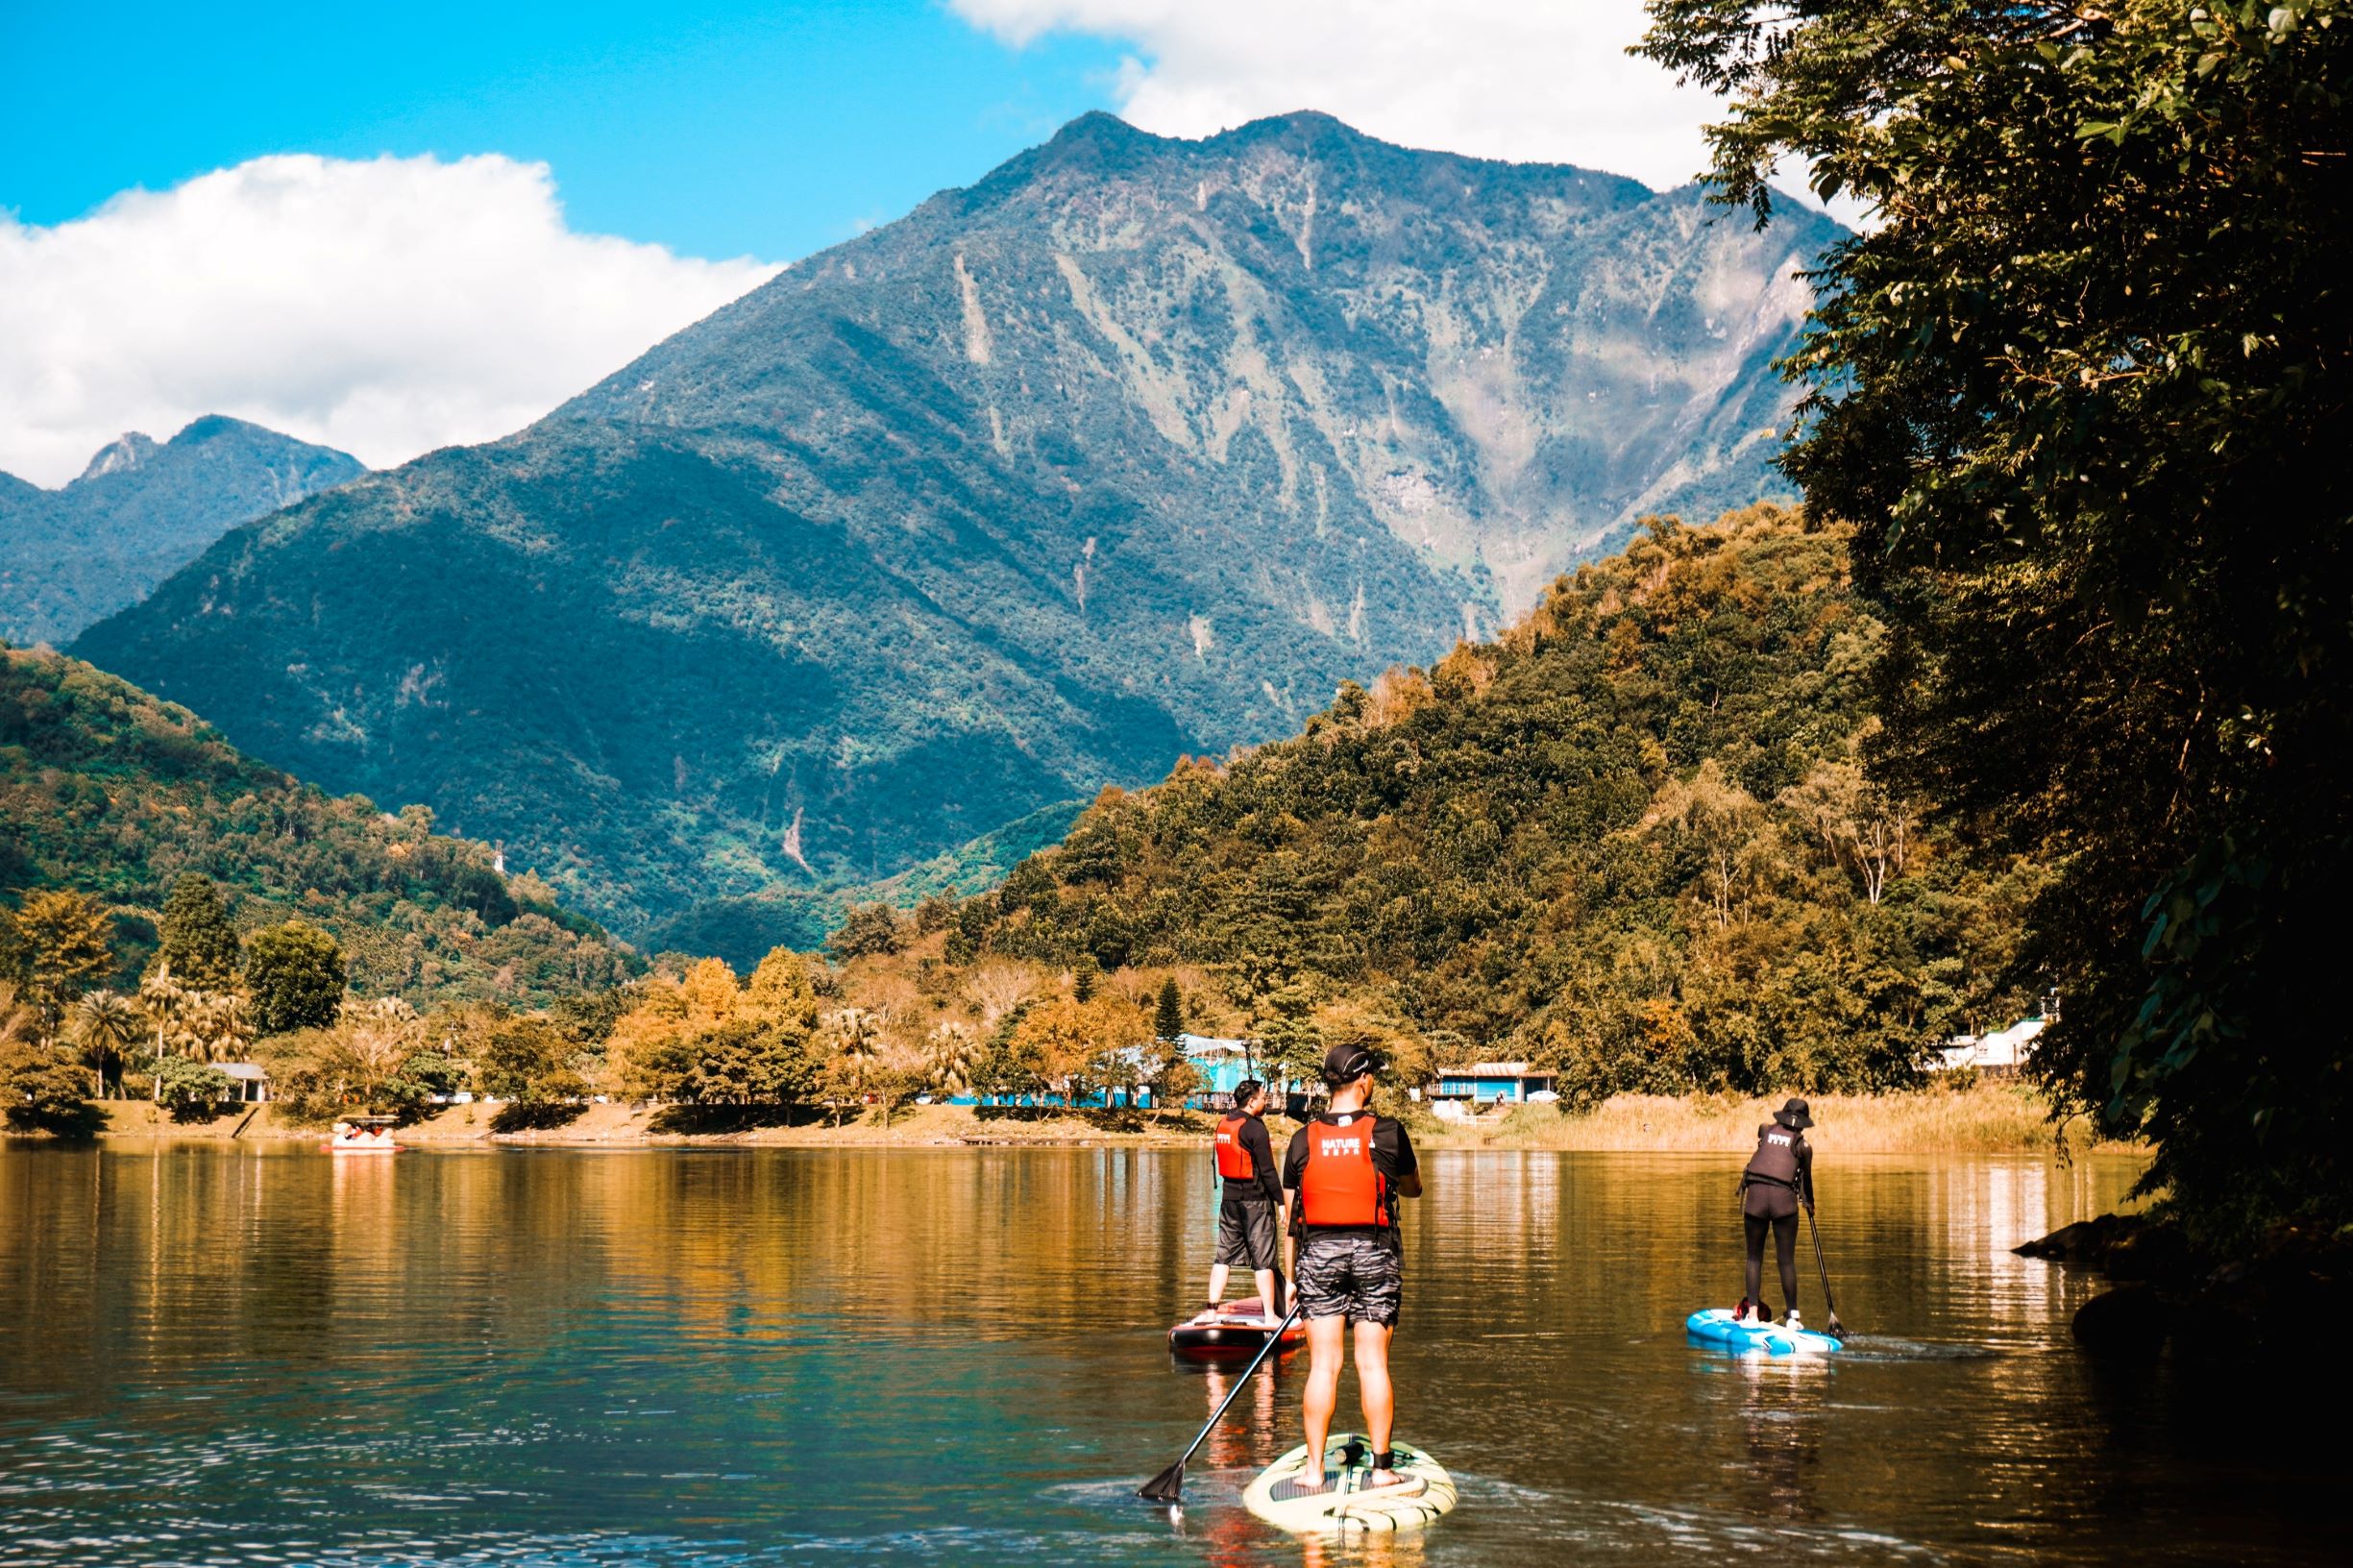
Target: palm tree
x: 213, y: 1027
x: 954, y: 1050
x: 163, y: 1000
x: 105, y: 1024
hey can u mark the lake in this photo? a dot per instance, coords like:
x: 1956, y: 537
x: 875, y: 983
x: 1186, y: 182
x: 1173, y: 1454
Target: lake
x: 226, y: 1355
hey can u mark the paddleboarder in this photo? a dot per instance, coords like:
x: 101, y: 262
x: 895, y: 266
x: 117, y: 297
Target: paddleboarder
x: 1250, y: 1198
x: 1780, y: 1177
x: 1345, y: 1170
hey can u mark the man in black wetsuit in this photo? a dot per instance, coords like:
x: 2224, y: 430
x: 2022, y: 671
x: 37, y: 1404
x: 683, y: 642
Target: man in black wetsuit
x: 1249, y: 1202
x: 1780, y: 1176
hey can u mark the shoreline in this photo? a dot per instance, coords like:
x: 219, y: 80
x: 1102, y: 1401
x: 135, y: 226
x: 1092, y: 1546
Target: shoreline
x: 1985, y: 1119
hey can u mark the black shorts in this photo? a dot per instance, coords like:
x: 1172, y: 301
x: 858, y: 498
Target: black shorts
x: 1358, y: 1275
x: 1245, y: 1234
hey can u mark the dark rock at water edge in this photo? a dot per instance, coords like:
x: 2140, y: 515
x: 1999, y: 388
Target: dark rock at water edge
x: 2169, y: 1292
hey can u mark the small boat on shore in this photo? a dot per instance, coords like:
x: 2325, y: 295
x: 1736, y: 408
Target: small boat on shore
x: 363, y: 1134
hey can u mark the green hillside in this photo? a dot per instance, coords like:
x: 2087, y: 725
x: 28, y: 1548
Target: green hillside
x: 1629, y: 838
x: 138, y: 513
x: 743, y: 930
x: 1136, y: 448
x: 105, y: 791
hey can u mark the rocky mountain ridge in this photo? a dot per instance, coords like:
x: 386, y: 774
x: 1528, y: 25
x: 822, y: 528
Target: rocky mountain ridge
x: 1135, y: 447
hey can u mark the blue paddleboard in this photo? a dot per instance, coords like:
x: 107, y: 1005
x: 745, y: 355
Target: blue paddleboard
x: 1714, y: 1326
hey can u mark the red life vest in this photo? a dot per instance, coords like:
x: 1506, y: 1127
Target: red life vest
x: 1233, y: 1162
x: 1339, y: 1184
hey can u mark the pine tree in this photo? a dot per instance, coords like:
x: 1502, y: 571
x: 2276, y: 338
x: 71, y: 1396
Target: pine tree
x: 1168, y: 1020
x: 1085, y: 976
x: 199, y: 941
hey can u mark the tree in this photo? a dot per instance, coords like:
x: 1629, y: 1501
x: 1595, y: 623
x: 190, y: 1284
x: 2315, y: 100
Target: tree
x: 952, y: 1056
x: 1168, y: 1018
x: 161, y: 1000
x: 2079, y: 388
x: 1085, y: 975
x: 40, y: 1083
x: 294, y: 974
x: 526, y: 1060
x: 186, y: 1088
x: 199, y: 941
x: 1290, y: 1042
x: 866, y: 931
x: 106, y: 1024
x: 62, y: 937
x: 1168, y: 1072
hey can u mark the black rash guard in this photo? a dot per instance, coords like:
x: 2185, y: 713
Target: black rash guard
x: 1265, y: 1185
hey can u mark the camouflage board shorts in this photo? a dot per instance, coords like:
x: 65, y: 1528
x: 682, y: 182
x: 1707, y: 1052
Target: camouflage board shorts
x: 1356, y: 1275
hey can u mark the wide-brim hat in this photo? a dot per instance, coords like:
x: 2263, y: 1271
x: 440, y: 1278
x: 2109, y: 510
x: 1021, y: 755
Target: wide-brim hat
x: 1794, y: 1115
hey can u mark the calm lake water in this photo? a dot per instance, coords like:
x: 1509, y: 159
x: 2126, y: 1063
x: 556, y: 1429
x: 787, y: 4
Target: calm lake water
x: 269, y: 1356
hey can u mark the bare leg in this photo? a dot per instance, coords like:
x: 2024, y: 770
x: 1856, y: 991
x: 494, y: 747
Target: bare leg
x: 1373, y: 1389
x: 1217, y: 1283
x: 1266, y: 1294
x: 1326, y: 1350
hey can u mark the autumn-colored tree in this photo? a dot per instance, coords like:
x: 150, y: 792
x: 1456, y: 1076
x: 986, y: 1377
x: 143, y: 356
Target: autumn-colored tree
x: 62, y: 940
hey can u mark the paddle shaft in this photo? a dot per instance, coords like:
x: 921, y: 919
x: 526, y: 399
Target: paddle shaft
x: 1169, y: 1481
x: 1822, y: 1266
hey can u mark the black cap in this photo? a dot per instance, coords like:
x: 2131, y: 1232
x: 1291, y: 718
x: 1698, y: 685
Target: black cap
x: 1794, y: 1115
x: 1346, y: 1064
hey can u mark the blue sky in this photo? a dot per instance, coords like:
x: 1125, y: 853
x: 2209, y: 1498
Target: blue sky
x: 390, y: 228
x: 719, y: 129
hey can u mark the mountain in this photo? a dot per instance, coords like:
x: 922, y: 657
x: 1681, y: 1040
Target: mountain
x: 1136, y: 448
x: 108, y: 792
x: 140, y: 512
x: 1628, y: 839
x: 742, y: 930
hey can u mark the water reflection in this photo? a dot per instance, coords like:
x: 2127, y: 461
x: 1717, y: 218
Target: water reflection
x: 703, y: 1356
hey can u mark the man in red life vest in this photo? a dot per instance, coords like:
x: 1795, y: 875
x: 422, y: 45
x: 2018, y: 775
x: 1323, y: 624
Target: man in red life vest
x: 1346, y: 1169
x: 1250, y: 1197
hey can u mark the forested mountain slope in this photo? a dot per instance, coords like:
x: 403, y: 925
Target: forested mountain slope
x: 105, y: 791
x: 1630, y: 839
x: 1135, y: 447
x: 138, y: 513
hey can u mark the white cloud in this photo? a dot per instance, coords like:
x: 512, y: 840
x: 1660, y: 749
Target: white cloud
x: 1533, y: 81
x: 385, y: 308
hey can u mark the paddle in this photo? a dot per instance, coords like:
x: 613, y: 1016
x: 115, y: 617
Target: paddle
x: 1815, y: 1230
x: 1168, y: 1486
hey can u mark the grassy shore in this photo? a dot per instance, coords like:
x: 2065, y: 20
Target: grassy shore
x: 1987, y: 1118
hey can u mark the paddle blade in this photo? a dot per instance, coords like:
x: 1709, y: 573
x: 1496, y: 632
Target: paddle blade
x: 1168, y: 1486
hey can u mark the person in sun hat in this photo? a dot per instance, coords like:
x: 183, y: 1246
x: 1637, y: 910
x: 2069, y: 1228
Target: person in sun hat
x: 1779, y: 1176
x: 1345, y: 1170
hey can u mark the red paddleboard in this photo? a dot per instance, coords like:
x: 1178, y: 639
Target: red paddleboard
x: 1236, y: 1330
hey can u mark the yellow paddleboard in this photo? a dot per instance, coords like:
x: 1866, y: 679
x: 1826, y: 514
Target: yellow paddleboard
x: 1346, y: 1505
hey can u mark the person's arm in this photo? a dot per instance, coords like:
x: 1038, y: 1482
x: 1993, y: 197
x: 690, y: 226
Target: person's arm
x: 1294, y: 1165
x: 1806, y: 1171
x: 1263, y: 1161
x: 1404, y: 1173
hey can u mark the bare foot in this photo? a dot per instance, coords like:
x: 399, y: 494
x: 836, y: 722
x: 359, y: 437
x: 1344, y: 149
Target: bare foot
x: 1316, y: 1485
x: 1381, y: 1477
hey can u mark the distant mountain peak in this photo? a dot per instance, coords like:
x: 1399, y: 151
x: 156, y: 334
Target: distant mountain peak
x: 126, y: 452
x: 138, y: 512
